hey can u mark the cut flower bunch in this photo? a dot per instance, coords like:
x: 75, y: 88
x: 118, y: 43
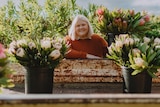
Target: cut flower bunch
x: 5, y: 70
x: 138, y: 54
x: 45, y: 52
x: 122, y: 21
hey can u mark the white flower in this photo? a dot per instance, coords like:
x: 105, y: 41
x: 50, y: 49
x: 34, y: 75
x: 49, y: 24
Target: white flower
x: 20, y: 52
x: 139, y: 62
x: 60, y: 40
x: 110, y: 49
x: 57, y: 46
x: 21, y: 42
x: 118, y: 44
x: 157, y: 41
x: 45, y: 43
x: 55, y: 54
x: 146, y: 40
x: 11, y: 50
x: 123, y: 36
x: 129, y: 41
x: 136, y: 51
x: 31, y: 45
x: 13, y: 44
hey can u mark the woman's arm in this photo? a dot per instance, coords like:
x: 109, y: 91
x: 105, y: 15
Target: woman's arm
x: 79, y: 54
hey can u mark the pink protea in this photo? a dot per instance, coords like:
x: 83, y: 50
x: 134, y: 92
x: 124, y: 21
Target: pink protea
x: 125, y: 24
x: 2, y: 52
x: 131, y: 12
x: 147, y: 18
x: 141, y: 22
x: 100, y: 11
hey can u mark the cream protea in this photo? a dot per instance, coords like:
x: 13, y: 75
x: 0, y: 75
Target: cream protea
x: 20, y: 52
x: 55, y: 54
x: 45, y: 43
x: 139, y: 62
x: 38, y: 53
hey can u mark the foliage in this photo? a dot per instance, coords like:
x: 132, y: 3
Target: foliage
x: 5, y: 70
x: 122, y: 21
x: 45, y: 52
x: 138, y: 54
x: 155, y: 27
x: 35, y: 21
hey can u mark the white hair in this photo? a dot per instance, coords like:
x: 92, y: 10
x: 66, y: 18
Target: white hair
x: 72, y: 33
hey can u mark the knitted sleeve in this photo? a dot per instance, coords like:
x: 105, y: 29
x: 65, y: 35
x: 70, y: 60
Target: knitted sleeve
x: 72, y: 53
x: 104, y: 44
x: 75, y: 54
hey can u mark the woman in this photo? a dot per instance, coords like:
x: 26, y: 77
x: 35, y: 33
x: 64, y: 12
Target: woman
x: 83, y: 42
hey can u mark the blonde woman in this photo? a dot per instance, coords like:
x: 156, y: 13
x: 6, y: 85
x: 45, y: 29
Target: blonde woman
x: 83, y: 42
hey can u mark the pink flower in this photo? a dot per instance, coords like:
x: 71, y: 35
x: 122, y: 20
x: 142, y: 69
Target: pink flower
x: 2, y: 53
x: 141, y: 22
x: 125, y: 24
x: 147, y: 18
x: 100, y: 12
x: 131, y: 12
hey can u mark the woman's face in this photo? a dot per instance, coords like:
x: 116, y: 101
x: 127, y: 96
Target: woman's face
x: 81, y: 29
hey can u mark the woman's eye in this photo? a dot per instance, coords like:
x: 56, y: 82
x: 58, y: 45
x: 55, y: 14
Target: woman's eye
x: 78, y: 25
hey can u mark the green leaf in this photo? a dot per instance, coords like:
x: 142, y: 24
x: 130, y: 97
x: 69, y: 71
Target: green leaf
x: 151, y: 57
x: 151, y: 74
x: 135, y: 72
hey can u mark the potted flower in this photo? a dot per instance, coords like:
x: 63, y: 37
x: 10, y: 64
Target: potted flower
x: 5, y: 70
x: 122, y: 22
x: 39, y: 57
x: 139, y: 59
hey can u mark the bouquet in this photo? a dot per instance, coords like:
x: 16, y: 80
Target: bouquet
x: 5, y: 70
x: 122, y: 21
x: 138, y: 54
x: 45, y: 52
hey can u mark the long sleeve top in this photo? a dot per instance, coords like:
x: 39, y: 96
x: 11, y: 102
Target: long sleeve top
x: 80, y: 48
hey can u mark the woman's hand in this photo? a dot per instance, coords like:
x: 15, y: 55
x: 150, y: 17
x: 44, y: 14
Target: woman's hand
x: 68, y: 47
x: 90, y: 56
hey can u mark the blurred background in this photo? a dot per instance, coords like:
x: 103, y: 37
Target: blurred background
x: 152, y: 7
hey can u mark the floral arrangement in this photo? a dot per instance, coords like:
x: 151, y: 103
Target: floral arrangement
x: 155, y: 27
x: 138, y: 54
x: 122, y: 21
x: 5, y: 70
x: 45, y: 52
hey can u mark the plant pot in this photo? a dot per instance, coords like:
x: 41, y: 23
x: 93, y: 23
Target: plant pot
x: 39, y: 80
x: 140, y: 83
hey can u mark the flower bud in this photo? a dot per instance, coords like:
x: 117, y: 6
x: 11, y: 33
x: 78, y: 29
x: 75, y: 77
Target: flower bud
x: 131, y: 12
x: 45, y: 43
x: 31, y: 45
x: 100, y: 11
x: 146, y: 40
x: 57, y: 46
x: 147, y: 18
x: 157, y: 41
x: 139, y: 62
x: 141, y: 22
x: 20, y: 52
x: 135, y: 52
x: 55, y: 54
x: 129, y: 41
x: 118, y: 44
